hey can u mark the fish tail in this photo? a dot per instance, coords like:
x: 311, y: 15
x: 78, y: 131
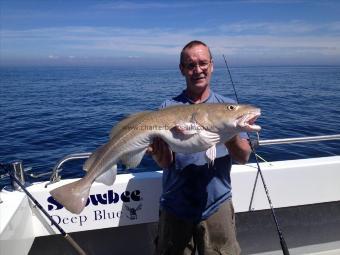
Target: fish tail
x: 73, y: 196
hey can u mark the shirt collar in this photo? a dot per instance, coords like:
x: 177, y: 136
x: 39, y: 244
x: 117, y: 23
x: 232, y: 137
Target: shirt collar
x: 187, y: 99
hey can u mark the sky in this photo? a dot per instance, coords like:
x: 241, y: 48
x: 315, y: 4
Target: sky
x: 152, y: 33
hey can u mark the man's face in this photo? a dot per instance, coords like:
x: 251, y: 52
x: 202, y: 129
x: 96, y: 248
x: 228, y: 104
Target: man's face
x: 197, y: 67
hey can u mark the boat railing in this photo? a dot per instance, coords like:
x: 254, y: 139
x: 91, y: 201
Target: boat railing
x: 296, y: 140
x: 55, y: 173
x: 55, y: 177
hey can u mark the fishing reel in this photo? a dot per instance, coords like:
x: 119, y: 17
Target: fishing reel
x: 254, y: 142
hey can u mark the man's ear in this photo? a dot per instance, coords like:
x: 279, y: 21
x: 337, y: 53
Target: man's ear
x: 212, y: 65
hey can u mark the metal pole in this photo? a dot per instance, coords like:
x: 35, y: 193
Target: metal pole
x: 55, y: 175
x: 283, y: 244
x: 298, y: 140
x: 71, y: 241
x: 18, y: 172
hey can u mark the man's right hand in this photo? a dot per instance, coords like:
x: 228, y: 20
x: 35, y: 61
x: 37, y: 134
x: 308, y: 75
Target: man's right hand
x: 160, y: 152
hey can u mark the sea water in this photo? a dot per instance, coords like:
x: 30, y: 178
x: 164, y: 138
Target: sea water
x: 49, y: 112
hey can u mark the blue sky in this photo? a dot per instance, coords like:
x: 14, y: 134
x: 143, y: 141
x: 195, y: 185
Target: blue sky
x: 152, y: 33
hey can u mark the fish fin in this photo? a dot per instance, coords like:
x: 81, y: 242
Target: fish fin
x: 125, y: 123
x: 89, y: 162
x: 132, y: 159
x: 201, y: 118
x: 188, y: 128
x: 108, y: 177
x: 211, y: 154
x: 72, y: 196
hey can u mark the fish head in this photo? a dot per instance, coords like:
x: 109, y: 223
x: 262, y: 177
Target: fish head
x: 234, y: 118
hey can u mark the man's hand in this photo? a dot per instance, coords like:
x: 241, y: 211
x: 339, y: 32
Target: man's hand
x: 239, y: 149
x: 161, y: 153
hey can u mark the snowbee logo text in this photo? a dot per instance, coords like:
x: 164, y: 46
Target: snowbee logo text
x: 110, y: 197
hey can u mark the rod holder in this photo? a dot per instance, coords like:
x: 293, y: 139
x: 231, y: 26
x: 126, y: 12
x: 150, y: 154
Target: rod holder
x: 18, y: 171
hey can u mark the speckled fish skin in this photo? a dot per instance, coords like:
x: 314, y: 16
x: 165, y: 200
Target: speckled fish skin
x: 185, y: 128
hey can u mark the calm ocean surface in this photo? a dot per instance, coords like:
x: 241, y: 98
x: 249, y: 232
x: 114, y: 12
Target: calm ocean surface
x: 49, y: 112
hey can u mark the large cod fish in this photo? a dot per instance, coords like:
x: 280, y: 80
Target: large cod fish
x: 185, y: 128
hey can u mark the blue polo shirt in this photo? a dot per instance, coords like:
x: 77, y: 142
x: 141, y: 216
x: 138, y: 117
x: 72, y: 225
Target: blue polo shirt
x: 192, y: 189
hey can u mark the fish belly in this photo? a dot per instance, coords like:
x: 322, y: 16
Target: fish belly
x: 190, y: 144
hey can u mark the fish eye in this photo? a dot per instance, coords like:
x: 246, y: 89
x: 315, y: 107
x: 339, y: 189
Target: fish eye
x: 231, y: 107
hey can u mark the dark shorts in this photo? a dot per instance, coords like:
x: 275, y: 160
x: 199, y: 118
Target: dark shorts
x: 215, y: 235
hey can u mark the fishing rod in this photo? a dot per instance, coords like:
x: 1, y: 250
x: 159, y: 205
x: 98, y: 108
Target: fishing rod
x: 9, y: 169
x: 259, y: 172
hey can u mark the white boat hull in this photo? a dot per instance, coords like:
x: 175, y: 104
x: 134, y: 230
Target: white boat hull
x: 122, y: 218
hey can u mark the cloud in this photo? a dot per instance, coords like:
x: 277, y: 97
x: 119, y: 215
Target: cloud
x: 128, y: 5
x: 294, y: 39
x: 53, y: 57
x: 133, y: 5
x: 293, y: 27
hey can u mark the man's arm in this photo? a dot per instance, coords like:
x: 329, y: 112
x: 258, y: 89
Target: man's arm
x: 239, y: 149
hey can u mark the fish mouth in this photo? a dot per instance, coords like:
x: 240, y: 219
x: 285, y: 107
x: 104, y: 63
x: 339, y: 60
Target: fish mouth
x: 247, y: 121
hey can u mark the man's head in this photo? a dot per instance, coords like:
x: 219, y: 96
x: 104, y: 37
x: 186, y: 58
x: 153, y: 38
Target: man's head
x: 196, y: 66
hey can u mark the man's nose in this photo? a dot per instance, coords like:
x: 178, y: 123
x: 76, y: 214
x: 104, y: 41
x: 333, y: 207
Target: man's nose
x: 197, y: 68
